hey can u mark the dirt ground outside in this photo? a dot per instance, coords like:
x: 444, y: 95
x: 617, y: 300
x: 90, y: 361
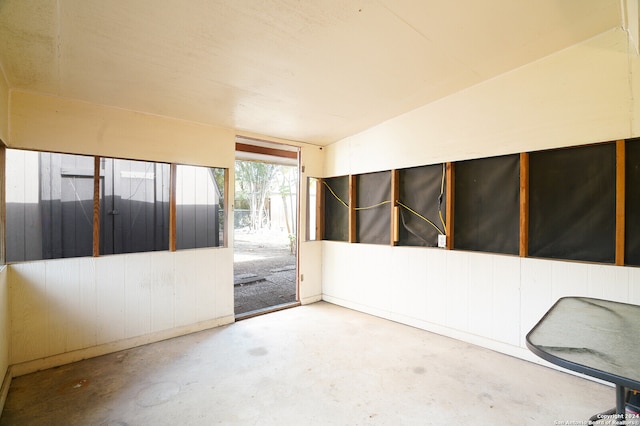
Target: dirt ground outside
x: 264, y: 270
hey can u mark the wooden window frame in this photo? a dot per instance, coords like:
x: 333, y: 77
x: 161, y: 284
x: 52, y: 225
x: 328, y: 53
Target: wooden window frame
x: 96, y: 202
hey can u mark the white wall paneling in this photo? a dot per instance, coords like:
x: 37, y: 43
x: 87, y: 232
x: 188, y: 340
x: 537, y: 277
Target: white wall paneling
x: 68, y: 306
x: 310, y: 269
x: 486, y: 299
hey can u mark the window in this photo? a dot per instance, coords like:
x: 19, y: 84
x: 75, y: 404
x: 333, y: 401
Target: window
x: 373, y: 210
x: 314, y: 213
x: 487, y: 204
x: 49, y: 205
x: 199, y: 196
x: 421, y: 205
x: 572, y: 201
x: 134, y: 206
x: 50, y: 210
x: 336, y: 208
x: 632, y: 203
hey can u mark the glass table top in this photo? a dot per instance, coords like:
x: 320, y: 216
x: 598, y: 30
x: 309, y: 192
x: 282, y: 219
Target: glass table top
x: 596, y: 337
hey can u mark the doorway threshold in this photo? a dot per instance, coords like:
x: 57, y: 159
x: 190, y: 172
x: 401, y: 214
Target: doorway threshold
x: 266, y: 310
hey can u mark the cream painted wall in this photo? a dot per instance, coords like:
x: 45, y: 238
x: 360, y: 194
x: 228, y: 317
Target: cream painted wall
x: 579, y: 95
x: 632, y: 24
x: 43, y: 122
x: 585, y: 94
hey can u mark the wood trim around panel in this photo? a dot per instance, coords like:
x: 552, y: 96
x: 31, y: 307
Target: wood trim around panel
x: 450, y: 193
x: 352, y: 209
x: 524, y: 204
x: 254, y: 149
x: 620, y: 201
x: 172, y: 205
x: 96, y: 206
x: 226, y: 212
x: 395, y: 195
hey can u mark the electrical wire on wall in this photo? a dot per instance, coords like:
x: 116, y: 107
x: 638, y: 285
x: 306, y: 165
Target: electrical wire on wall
x: 412, y: 228
x: 415, y: 213
x: 441, y: 231
x: 440, y: 197
x: 335, y: 195
x: 356, y: 208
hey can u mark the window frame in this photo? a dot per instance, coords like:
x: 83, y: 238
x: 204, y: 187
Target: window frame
x: 98, y: 190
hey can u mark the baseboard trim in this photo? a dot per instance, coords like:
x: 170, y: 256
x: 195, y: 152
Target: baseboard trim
x: 310, y: 300
x: 32, y: 366
x: 485, y: 342
x: 4, y: 389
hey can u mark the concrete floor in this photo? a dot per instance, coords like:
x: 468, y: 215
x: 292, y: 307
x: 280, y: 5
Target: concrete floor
x: 311, y: 365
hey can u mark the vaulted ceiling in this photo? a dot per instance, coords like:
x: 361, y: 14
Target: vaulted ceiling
x: 307, y: 70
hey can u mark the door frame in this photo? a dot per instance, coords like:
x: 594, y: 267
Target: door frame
x: 262, y: 150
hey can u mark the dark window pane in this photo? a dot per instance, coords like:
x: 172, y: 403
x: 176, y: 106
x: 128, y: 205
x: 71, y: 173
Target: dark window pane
x: 198, y: 207
x: 421, y: 193
x: 336, y: 210
x: 487, y: 205
x: 49, y: 203
x: 572, y: 203
x: 134, y: 206
x: 632, y: 202
x: 373, y: 208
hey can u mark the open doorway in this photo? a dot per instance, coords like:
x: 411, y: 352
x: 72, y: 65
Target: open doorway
x: 265, y: 228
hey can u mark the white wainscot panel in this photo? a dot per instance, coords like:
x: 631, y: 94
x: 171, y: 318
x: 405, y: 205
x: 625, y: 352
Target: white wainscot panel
x: 161, y: 280
x: 311, y: 269
x: 336, y: 269
x: 506, y: 299
x: 409, y: 282
x: 536, y: 293
x: 597, y: 281
x: 457, y: 291
x: 480, y: 303
x: 206, y: 266
x: 110, y: 289
x: 634, y: 285
x: 610, y: 282
x: 437, y: 285
x: 618, y: 287
x: 569, y: 279
x: 374, y: 282
x: 29, y: 316
x: 186, y: 295
x: 63, y: 305
x: 137, y: 294
x: 87, y: 329
x: 224, y: 281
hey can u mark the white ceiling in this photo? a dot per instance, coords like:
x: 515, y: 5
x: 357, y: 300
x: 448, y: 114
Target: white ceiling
x: 307, y: 70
